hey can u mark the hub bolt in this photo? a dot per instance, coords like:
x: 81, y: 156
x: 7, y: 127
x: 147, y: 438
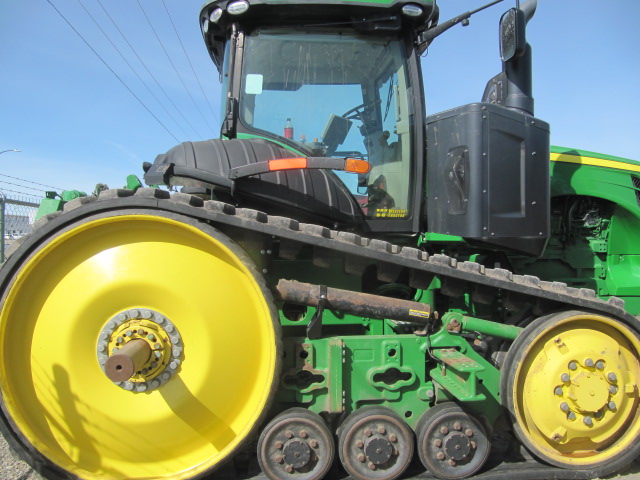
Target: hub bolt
x: 279, y: 459
x: 613, y: 389
x: 372, y: 466
x: 382, y: 430
x: 279, y: 445
x: 571, y: 416
x: 612, y: 405
x: 468, y: 432
x: 457, y: 426
x: 288, y: 434
x: 598, y: 414
x: 565, y: 377
x: 600, y: 365
x: 368, y: 432
x: 438, y: 443
x: 473, y: 445
x: 303, y: 434
x: 289, y: 469
x: 440, y: 456
x: 360, y: 444
x: 558, y: 391
x: 393, y: 438
x: 589, y: 362
x: 313, y: 443
x: 564, y: 406
x: 444, y: 430
x: 573, y: 365
x: 588, y: 421
x: 612, y: 377
x: 361, y: 458
x: 452, y: 462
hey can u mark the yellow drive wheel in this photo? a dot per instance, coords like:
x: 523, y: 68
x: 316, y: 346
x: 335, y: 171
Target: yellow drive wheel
x: 570, y: 383
x: 136, y: 345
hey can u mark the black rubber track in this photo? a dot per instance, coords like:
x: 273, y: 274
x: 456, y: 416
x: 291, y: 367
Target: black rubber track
x: 545, y: 295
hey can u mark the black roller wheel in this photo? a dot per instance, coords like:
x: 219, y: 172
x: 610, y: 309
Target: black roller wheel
x: 451, y: 443
x: 375, y: 443
x: 297, y: 443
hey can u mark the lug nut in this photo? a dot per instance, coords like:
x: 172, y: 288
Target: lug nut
x: 444, y: 430
x: 372, y: 466
x: 573, y: 365
x: 452, y: 462
x: 598, y: 414
x: 440, y: 455
x: 600, y: 365
x: 565, y: 377
x: 313, y: 443
x: 279, y: 459
x: 612, y: 377
x: 279, y: 445
x: 588, y: 421
x: 558, y: 391
x: 303, y: 434
x: 589, y: 362
x: 288, y: 434
x: 564, y: 406
x: 468, y: 432
x: 571, y: 416
x: 368, y: 432
x: 437, y: 442
x: 289, y: 469
x: 360, y: 444
x: 473, y: 445
x: 382, y: 430
x: 393, y: 438
x: 361, y: 458
x: 457, y: 426
x: 613, y: 389
x: 612, y: 405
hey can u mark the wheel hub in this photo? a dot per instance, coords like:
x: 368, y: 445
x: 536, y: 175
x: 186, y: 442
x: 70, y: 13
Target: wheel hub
x: 139, y: 349
x: 457, y: 446
x: 378, y: 449
x: 296, y: 453
x: 589, y: 391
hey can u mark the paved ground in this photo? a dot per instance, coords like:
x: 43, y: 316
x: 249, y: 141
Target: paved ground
x: 13, y: 469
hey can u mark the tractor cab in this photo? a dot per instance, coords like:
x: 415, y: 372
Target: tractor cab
x: 332, y: 79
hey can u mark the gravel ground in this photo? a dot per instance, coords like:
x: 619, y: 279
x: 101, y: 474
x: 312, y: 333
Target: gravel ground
x: 14, y: 469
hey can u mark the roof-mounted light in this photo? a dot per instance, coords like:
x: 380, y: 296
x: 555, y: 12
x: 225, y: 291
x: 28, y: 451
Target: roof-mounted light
x: 411, y: 10
x: 215, y: 15
x: 238, y: 8
x: 205, y: 25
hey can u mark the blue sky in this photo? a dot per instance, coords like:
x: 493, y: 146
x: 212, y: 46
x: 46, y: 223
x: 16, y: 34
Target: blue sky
x: 77, y: 125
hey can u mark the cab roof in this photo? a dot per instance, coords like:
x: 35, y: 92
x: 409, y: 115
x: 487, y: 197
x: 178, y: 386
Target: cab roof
x: 366, y: 16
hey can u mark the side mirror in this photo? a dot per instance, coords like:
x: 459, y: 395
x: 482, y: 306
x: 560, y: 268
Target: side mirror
x: 513, y: 41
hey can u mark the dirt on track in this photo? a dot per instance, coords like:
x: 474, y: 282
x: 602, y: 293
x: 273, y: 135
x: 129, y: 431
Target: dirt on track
x: 13, y: 469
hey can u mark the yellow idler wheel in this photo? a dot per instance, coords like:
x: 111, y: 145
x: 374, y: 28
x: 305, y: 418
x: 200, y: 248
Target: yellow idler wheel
x: 173, y: 301
x: 570, y: 383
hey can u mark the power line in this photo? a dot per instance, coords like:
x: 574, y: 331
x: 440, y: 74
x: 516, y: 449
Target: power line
x: 125, y: 60
x: 147, y: 69
x: 22, y: 186
x: 29, y: 181
x: 111, y: 70
x: 172, y: 64
x: 15, y: 191
x: 190, y: 64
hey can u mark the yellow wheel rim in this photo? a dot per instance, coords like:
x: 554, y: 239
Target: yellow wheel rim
x: 575, y: 394
x: 54, y: 389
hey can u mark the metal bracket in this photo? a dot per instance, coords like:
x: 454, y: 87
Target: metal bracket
x: 314, y: 329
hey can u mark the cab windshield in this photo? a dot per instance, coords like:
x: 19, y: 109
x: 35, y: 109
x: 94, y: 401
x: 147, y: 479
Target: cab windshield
x: 336, y: 94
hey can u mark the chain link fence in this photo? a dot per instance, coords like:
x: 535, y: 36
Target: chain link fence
x: 17, y: 215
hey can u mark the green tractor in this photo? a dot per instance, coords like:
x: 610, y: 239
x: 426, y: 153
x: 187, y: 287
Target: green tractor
x: 342, y: 286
